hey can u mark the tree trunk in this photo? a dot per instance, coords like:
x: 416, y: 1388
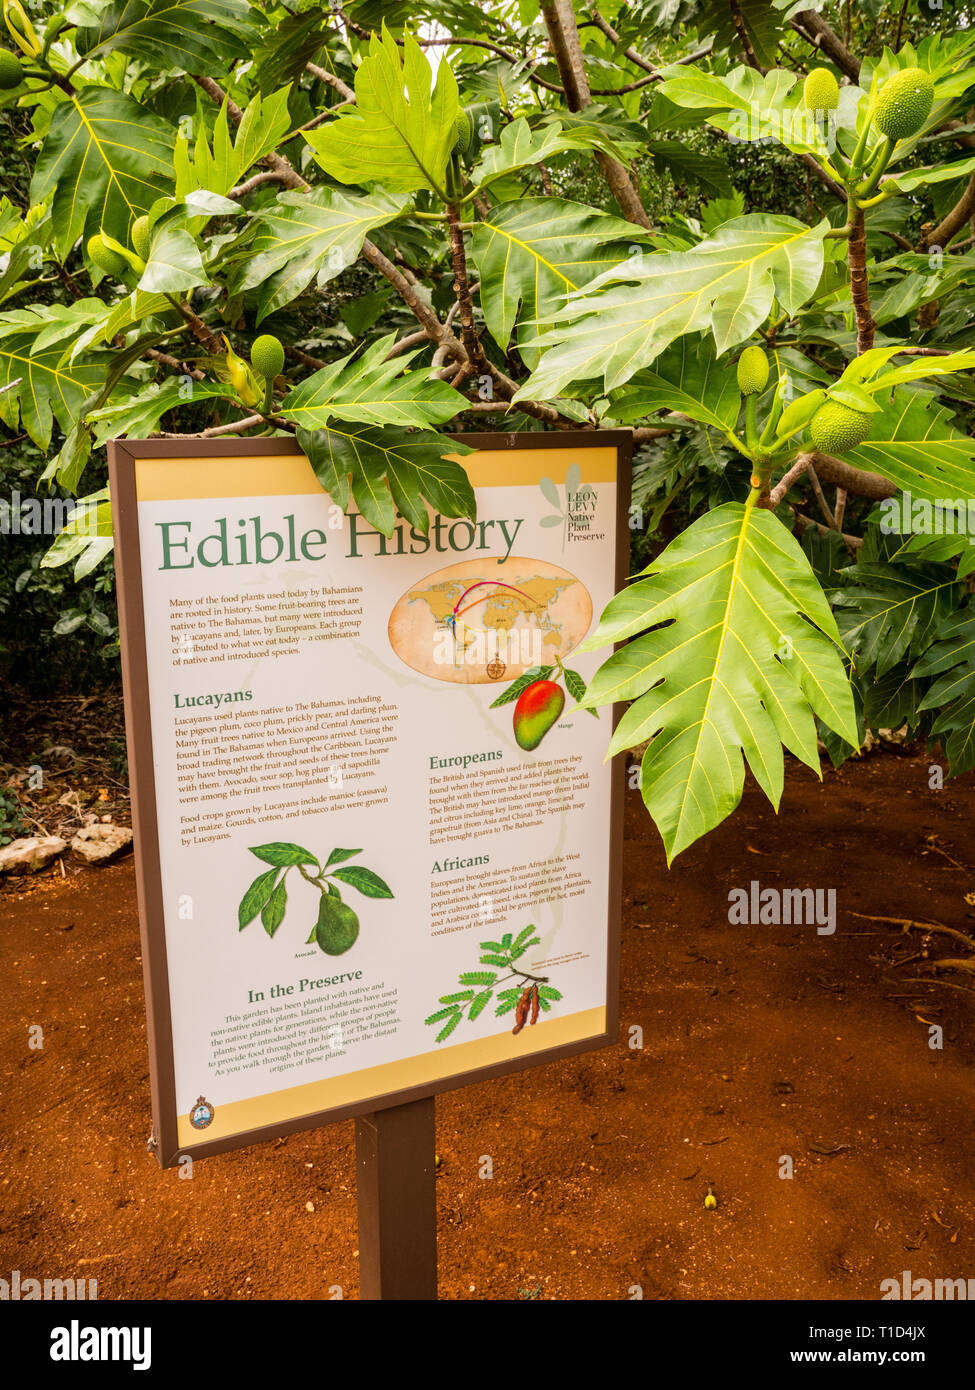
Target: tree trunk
x: 563, y: 35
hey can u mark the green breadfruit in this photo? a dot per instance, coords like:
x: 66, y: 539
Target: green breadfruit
x: 140, y: 237
x: 267, y: 356
x: 821, y: 91
x: 752, y: 371
x: 463, y: 133
x: 11, y: 70
x: 107, y: 260
x: 904, y: 103
x: 835, y: 428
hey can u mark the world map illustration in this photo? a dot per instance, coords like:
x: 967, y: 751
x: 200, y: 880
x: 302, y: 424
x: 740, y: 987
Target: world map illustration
x: 478, y: 622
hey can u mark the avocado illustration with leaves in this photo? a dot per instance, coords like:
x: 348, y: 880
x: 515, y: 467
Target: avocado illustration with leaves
x: 336, y: 929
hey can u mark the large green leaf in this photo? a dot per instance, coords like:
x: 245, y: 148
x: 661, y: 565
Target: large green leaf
x: 388, y: 470
x: 105, y: 161
x: 139, y: 416
x: 915, y: 445
x: 189, y: 34
x: 371, y: 391
x: 520, y: 146
x: 46, y: 389
x: 727, y: 283
x: 307, y: 236
x: 135, y: 308
x: 86, y: 537
x: 952, y: 660
x: 174, y: 263
x: 217, y: 161
x: 735, y: 659
x: 871, y: 370
x: 532, y: 252
x: 399, y: 134
x: 905, y: 181
x: 889, y: 612
x: 686, y: 378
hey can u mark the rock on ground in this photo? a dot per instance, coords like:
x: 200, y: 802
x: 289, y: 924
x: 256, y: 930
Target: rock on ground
x: 96, y: 843
x: 27, y: 856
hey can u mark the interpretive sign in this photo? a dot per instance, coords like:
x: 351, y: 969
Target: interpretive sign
x: 377, y: 842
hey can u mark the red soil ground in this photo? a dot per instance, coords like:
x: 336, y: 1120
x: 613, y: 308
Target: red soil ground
x: 759, y: 1042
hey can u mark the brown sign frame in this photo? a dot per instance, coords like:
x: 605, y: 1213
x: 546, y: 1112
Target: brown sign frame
x: 123, y: 455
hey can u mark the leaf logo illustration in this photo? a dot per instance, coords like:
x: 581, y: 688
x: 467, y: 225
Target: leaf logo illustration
x: 563, y: 507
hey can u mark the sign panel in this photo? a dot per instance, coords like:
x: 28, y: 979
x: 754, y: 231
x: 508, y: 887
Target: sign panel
x: 377, y: 845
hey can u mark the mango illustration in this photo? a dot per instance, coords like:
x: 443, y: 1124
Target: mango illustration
x: 337, y: 926
x: 538, y: 707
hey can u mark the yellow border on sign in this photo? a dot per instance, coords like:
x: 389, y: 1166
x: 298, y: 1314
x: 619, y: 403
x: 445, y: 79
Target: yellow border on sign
x: 289, y: 475
x: 278, y: 1107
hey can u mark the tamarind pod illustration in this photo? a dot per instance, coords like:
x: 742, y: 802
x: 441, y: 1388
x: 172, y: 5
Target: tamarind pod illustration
x: 521, y: 1012
x: 534, y: 1003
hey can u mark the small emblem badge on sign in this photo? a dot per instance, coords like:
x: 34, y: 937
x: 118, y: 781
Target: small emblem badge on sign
x: 202, y: 1113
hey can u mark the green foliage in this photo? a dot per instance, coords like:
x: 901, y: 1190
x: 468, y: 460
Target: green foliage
x: 306, y: 237
x: 104, y: 162
x: 216, y: 211
x: 735, y: 659
x: 401, y: 135
x: 951, y: 660
x: 727, y: 283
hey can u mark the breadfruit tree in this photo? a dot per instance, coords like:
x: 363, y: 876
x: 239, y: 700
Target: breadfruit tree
x: 722, y: 225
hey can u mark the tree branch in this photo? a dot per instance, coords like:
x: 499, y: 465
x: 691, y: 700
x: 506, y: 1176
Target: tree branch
x: 323, y: 75
x: 744, y: 38
x: 854, y: 480
x: 174, y: 364
x: 614, y: 37
x: 462, y: 289
x: 201, y: 331
x: 787, y: 479
x: 853, y: 542
x: 859, y: 283
x: 814, y: 29
x: 949, y: 227
x: 255, y: 181
x: 234, y: 427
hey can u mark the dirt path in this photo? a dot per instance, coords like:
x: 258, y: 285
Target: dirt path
x: 759, y: 1043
